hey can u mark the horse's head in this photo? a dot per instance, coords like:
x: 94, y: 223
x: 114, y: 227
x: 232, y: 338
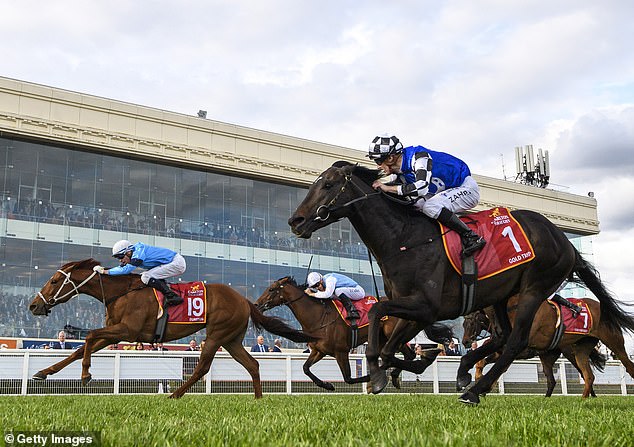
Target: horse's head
x: 62, y: 286
x: 473, y: 325
x: 330, y: 196
x: 282, y: 291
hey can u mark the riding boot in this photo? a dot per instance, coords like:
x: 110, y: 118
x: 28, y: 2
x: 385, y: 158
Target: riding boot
x: 353, y: 314
x: 576, y: 310
x: 171, y: 297
x: 471, y: 241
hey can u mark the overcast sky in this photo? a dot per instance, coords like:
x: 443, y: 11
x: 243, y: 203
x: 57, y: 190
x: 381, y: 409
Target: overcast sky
x: 474, y: 78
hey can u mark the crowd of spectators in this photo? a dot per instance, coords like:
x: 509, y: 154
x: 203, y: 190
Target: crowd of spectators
x: 17, y: 321
x: 210, y: 230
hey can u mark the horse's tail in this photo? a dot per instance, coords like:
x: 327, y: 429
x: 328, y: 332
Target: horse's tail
x: 598, y: 360
x: 611, y: 309
x: 439, y: 333
x: 278, y: 326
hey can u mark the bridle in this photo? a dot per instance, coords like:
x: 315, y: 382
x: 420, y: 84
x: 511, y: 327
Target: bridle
x: 278, y: 291
x: 53, y: 301
x: 319, y: 216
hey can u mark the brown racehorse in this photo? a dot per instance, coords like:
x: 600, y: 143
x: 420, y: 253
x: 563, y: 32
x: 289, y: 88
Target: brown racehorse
x: 579, y: 349
x: 131, y: 311
x: 477, y: 321
x: 321, y: 318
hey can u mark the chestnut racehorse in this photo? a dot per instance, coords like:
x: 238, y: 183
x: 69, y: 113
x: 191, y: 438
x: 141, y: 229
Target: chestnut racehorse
x: 579, y: 349
x: 321, y: 319
x: 131, y: 311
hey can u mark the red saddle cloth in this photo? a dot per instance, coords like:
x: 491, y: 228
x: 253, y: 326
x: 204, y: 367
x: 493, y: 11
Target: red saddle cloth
x: 582, y: 324
x: 193, y: 309
x: 507, y: 245
x: 363, y: 306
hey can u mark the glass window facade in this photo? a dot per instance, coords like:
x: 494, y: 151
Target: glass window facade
x: 60, y: 205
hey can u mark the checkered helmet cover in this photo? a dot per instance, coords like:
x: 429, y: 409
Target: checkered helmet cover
x: 383, y: 146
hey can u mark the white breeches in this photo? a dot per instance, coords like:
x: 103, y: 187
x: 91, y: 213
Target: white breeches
x: 354, y: 293
x: 174, y: 268
x: 456, y: 200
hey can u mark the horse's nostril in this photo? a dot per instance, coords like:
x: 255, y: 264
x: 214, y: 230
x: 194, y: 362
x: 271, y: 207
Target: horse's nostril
x: 295, y: 221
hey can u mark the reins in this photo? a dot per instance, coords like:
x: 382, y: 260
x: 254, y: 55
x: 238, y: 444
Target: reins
x: 302, y: 295
x: 53, y: 301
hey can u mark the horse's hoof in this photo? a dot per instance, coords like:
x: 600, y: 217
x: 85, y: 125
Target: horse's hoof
x: 463, y: 381
x: 174, y: 396
x: 86, y: 380
x: 379, y: 382
x: 328, y: 386
x: 39, y: 376
x: 469, y: 398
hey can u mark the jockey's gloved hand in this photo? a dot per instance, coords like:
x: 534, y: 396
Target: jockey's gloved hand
x: 99, y: 269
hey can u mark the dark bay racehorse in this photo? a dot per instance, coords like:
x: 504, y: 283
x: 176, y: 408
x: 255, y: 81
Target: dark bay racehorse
x: 579, y: 349
x: 419, y: 279
x: 131, y: 311
x: 321, y: 319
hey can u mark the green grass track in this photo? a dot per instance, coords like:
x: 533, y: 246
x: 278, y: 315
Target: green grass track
x: 329, y: 420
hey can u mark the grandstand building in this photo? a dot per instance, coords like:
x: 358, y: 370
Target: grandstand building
x: 79, y: 172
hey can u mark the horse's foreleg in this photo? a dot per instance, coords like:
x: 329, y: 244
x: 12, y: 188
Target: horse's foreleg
x: 57, y: 367
x: 378, y: 378
x: 313, y: 358
x: 474, y: 357
x: 403, y: 332
x: 517, y: 342
x: 99, y: 339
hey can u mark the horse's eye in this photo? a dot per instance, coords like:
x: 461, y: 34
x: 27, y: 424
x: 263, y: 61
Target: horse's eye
x: 327, y: 185
x: 53, y: 281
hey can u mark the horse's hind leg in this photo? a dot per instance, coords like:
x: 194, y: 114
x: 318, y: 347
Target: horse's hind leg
x: 204, y: 363
x: 548, y: 360
x: 582, y: 357
x: 613, y: 339
x: 241, y: 356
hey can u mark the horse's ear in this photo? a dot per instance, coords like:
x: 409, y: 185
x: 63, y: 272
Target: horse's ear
x: 341, y: 164
x: 349, y: 168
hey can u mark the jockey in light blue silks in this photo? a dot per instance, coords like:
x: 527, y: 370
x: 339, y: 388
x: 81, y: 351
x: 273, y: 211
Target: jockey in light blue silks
x: 160, y: 263
x: 336, y: 285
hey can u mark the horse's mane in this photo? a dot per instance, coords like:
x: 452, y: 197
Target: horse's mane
x: 367, y: 175
x: 86, y: 263
x: 293, y: 282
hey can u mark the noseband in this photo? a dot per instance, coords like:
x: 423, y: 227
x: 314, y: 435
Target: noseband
x: 75, y: 291
x: 327, y: 209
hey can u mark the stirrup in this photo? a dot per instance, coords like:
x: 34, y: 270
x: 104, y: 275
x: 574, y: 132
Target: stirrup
x: 173, y: 300
x: 474, y: 246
